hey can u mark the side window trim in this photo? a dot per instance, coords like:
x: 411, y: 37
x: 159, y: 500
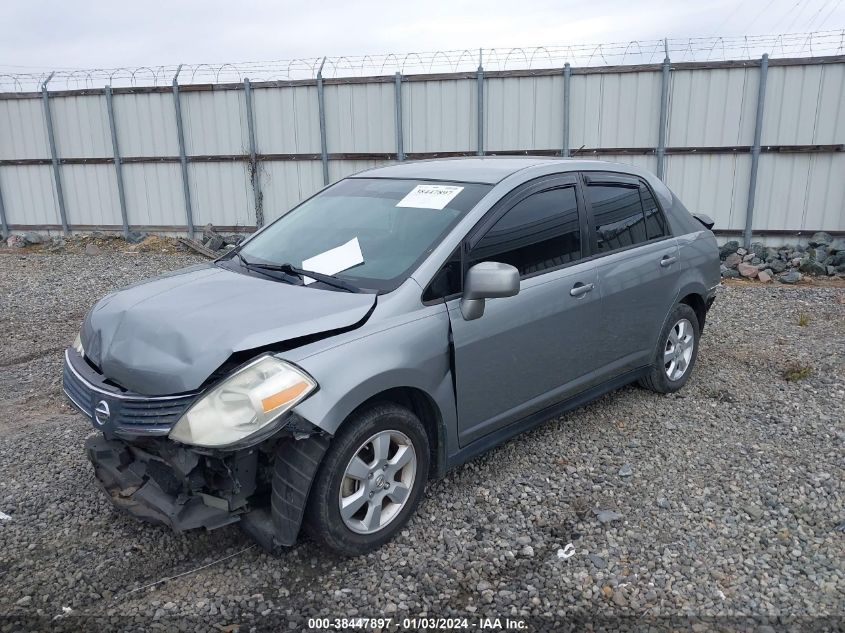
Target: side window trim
x: 516, y: 196
x: 606, y: 178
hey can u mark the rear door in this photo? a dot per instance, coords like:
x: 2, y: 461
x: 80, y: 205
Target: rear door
x: 528, y: 350
x: 638, y: 266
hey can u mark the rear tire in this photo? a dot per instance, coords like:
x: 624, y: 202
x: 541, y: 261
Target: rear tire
x: 676, y: 352
x: 376, y: 469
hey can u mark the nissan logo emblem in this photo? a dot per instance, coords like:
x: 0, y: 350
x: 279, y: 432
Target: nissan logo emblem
x: 102, y: 413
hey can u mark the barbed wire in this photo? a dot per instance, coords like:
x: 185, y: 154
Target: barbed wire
x: 578, y: 55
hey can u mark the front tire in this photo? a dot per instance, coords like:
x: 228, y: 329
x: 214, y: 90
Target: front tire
x: 676, y: 352
x: 371, y: 480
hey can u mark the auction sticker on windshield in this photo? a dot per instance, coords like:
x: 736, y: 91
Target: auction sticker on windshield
x: 430, y: 196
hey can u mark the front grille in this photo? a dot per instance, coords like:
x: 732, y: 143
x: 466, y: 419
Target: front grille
x: 130, y: 414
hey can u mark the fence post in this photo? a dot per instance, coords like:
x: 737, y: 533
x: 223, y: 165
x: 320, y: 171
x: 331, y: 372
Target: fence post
x: 755, y: 150
x: 321, y: 104
x: 400, y: 141
x: 57, y: 176
x: 567, y: 80
x: 479, y: 78
x: 4, y: 226
x: 118, y: 163
x: 664, y: 113
x: 183, y: 158
x: 254, y: 176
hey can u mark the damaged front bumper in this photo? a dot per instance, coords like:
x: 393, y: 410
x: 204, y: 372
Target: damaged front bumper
x: 178, y: 487
x: 264, y: 489
x: 262, y: 486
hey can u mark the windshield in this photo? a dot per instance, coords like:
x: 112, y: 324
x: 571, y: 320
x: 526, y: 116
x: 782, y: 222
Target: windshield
x: 394, y: 223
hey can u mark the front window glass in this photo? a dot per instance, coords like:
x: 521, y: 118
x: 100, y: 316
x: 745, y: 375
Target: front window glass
x: 396, y: 222
x: 538, y: 233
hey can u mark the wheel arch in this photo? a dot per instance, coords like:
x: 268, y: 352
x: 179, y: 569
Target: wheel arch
x: 422, y: 405
x: 699, y: 306
x: 288, y: 482
x: 433, y: 404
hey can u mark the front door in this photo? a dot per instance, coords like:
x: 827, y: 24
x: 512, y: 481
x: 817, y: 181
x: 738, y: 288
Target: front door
x: 532, y: 349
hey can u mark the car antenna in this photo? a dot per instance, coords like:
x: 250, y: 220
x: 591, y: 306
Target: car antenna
x: 576, y: 151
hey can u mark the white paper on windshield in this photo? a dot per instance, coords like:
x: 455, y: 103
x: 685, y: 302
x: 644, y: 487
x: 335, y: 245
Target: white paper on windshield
x: 430, y: 196
x: 335, y: 260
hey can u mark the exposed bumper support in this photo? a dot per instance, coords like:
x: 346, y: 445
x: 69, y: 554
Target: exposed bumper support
x: 166, y: 484
x: 152, y: 489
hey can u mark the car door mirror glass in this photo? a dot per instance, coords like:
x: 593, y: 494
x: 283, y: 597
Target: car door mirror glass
x: 487, y: 280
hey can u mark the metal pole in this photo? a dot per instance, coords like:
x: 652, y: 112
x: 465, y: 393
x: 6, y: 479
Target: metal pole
x: 3, y: 224
x: 755, y: 149
x: 664, y: 112
x: 57, y: 176
x: 479, y: 78
x: 324, y: 152
x: 254, y: 176
x: 183, y: 158
x: 567, y: 80
x: 118, y: 163
x: 400, y: 141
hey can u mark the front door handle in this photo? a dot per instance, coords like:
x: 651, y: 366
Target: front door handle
x: 668, y: 260
x: 579, y: 289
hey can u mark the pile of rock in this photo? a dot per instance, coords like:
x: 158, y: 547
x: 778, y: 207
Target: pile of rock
x: 93, y: 243
x: 823, y: 256
x: 25, y: 239
x: 218, y: 242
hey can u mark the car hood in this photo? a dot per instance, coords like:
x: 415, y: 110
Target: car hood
x: 167, y: 335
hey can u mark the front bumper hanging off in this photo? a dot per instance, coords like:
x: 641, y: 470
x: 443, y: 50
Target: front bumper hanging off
x: 265, y: 491
x: 173, y: 487
x: 263, y: 487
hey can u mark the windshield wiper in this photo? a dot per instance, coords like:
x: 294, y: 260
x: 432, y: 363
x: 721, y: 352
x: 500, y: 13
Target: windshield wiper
x: 261, y: 269
x: 290, y: 269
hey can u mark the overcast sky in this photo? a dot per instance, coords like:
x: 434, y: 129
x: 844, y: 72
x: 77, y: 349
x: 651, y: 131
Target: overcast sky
x: 40, y: 34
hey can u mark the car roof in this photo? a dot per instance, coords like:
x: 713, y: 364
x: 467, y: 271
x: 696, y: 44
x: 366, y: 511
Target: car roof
x: 486, y: 169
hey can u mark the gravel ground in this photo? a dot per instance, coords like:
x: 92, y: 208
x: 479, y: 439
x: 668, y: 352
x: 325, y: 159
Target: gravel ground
x: 725, y: 500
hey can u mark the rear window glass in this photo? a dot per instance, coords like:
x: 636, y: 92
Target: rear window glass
x: 618, y: 216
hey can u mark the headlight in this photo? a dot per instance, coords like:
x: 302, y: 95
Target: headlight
x: 246, y: 402
x: 77, y: 345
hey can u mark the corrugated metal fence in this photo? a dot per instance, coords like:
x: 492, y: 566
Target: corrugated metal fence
x: 169, y: 158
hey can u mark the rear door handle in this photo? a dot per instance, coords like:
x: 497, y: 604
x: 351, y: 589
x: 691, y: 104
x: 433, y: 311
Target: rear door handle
x: 668, y: 260
x: 580, y: 289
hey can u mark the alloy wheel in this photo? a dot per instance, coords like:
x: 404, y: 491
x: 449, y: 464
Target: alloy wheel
x: 677, y: 353
x: 377, y: 482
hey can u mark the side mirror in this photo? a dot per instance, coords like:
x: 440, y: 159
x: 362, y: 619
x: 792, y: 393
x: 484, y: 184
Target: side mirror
x: 487, y: 280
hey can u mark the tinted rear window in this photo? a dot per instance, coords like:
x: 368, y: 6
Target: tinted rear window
x: 618, y: 216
